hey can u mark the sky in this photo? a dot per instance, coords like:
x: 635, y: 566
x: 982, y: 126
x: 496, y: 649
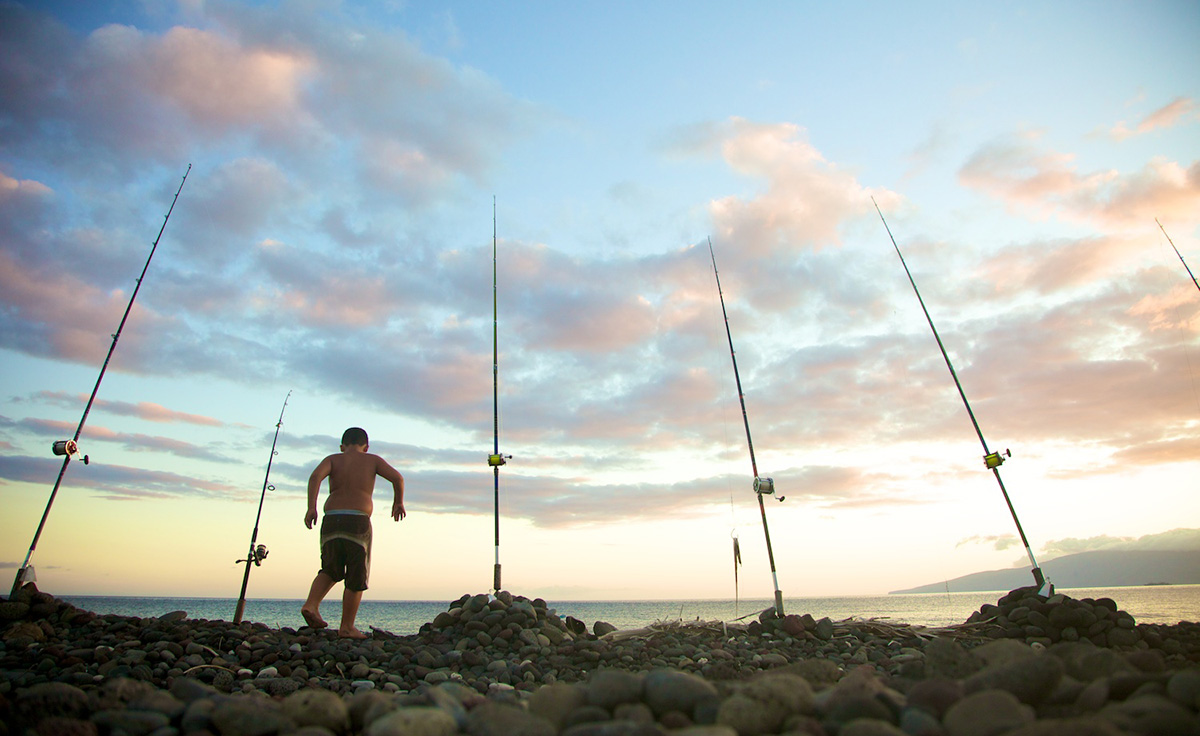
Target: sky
x: 351, y: 168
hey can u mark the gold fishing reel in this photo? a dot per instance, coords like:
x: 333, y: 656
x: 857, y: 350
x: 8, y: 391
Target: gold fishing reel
x: 993, y: 460
x: 496, y: 461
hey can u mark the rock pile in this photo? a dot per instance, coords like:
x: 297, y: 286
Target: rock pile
x: 511, y: 665
x: 1026, y: 614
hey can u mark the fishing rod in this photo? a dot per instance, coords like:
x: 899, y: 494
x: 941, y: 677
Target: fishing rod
x: 259, y: 553
x: 70, y: 448
x: 991, y: 460
x: 762, y: 486
x: 495, y: 460
x: 1172, y: 242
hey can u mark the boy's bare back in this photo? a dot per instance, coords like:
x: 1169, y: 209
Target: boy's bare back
x: 351, y: 476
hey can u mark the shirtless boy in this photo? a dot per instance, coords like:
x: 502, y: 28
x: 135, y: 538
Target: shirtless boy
x: 346, y: 528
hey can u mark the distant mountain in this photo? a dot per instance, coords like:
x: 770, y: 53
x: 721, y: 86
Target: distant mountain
x: 1099, y: 569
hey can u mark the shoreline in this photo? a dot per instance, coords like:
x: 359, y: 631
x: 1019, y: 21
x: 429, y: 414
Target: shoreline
x: 504, y: 660
x: 406, y: 616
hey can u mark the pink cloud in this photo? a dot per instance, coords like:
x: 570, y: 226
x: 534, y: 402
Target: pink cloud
x: 1054, y: 265
x: 353, y: 302
x: 146, y: 410
x: 1166, y: 116
x: 60, y: 315
x: 1020, y: 174
x: 218, y: 82
x: 19, y: 189
x: 806, y: 197
x: 127, y: 78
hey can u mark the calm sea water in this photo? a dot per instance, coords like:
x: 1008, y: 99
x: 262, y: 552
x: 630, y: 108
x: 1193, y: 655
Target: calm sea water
x: 1151, y: 604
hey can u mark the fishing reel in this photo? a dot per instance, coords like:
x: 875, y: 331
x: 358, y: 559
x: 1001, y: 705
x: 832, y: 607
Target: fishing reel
x: 257, y: 555
x: 993, y: 460
x: 70, y: 448
x: 496, y: 461
x: 766, y: 487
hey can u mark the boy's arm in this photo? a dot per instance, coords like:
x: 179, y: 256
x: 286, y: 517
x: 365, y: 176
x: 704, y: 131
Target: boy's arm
x: 387, y: 472
x: 320, y: 473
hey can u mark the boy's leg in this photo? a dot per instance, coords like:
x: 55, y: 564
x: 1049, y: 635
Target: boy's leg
x: 311, y: 610
x: 350, y: 601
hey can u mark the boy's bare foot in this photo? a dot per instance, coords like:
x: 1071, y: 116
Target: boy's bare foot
x: 313, y: 619
x: 351, y: 633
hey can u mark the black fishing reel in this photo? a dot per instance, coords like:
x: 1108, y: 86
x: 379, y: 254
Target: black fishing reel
x: 993, y: 460
x: 766, y: 487
x: 257, y: 555
x: 69, y: 448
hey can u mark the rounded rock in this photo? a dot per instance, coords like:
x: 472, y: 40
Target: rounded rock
x: 413, y: 721
x: 556, y: 701
x: 1031, y: 679
x: 870, y: 727
x: 499, y: 719
x: 1184, y: 688
x: 609, y: 688
x: 51, y: 699
x: 249, y: 716
x: 667, y: 690
x: 317, y: 708
x: 748, y: 717
x: 987, y: 713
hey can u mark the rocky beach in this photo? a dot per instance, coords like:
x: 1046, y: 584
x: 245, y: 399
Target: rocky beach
x: 506, y: 664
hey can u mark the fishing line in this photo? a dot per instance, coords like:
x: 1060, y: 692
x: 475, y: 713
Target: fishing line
x: 258, y: 553
x: 991, y: 460
x: 69, y: 448
x: 495, y: 460
x: 1187, y: 347
x: 733, y: 523
x: 762, y: 485
x: 1172, y: 242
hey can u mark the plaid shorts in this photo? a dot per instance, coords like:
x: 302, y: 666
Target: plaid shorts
x: 346, y: 549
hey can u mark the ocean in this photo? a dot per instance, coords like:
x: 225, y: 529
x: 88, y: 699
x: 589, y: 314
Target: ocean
x: 1148, y: 604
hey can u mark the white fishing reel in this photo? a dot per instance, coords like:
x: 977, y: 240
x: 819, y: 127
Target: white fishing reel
x: 69, y: 448
x: 766, y: 487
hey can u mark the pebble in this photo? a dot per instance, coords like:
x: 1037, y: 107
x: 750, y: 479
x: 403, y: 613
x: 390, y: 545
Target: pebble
x: 1029, y: 665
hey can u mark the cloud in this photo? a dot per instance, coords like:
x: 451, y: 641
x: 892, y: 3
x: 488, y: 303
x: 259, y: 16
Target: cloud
x: 23, y: 191
x: 113, y: 482
x: 145, y: 410
x: 1167, y: 116
x: 1177, y: 540
x: 1017, y: 171
x: 1048, y: 266
x: 806, y: 199
x: 317, y: 241
x: 132, y: 442
x: 998, y: 542
x: 410, y: 123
